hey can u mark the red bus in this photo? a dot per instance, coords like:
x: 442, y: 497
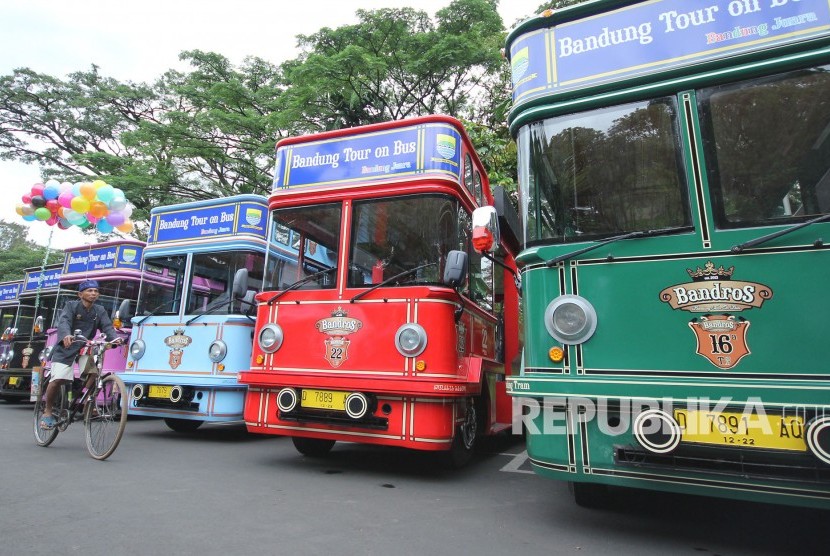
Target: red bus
x: 388, y: 328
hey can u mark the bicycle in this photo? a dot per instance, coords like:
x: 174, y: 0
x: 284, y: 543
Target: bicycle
x: 103, y: 405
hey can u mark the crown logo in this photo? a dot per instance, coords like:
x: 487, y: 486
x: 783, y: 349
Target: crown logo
x: 178, y: 332
x: 709, y: 272
x: 339, y: 312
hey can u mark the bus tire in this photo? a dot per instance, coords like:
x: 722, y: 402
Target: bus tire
x: 182, y: 425
x: 589, y: 495
x: 464, y: 441
x: 312, y: 447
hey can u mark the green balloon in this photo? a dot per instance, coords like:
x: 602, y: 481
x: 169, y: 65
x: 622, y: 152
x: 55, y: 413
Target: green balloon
x: 43, y: 213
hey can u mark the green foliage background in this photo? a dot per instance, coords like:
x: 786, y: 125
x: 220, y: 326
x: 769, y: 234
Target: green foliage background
x: 211, y: 131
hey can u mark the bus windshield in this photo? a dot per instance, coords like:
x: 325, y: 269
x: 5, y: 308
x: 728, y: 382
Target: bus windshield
x: 308, y: 238
x: 163, y: 286
x: 602, y: 173
x: 212, y: 280
x: 391, y: 236
x: 767, y: 146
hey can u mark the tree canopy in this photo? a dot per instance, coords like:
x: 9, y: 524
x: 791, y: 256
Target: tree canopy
x: 211, y: 131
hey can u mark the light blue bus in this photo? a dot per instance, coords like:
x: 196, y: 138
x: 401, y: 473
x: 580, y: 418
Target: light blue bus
x: 192, y: 331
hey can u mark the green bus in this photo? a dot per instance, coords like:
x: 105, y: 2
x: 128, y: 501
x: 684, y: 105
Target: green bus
x: 674, y: 193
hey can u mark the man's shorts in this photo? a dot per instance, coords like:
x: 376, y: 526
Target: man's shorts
x: 62, y: 371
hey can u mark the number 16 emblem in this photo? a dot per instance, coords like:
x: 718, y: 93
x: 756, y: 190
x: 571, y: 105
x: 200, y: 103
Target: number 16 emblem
x: 721, y: 339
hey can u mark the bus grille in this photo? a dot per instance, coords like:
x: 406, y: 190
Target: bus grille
x: 761, y: 465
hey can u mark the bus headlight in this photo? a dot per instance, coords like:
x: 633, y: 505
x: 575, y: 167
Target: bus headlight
x: 137, y: 349
x: 571, y: 319
x: 270, y: 338
x: 217, y: 351
x: 411, y: 340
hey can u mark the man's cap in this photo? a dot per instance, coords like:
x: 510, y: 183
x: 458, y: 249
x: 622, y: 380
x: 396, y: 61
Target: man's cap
x: 87, y: 284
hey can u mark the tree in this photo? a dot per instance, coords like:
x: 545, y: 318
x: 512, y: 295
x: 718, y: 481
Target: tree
x: 393, y: 64
x: 19, y: 253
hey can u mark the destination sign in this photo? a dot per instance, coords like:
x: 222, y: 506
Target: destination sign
x: 212, y: 221
x: 47, y: 279
x: 413, y: 150
x: 9, y: 291
x: 103, y: 258
x: 654, y: 36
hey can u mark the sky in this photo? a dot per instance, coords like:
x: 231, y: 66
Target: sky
x: 138, y: 41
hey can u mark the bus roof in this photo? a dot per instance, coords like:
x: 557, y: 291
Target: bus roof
x: 414, y: 148
x: 226, y: 220
x: 112, y: 260
x: 566, y: 53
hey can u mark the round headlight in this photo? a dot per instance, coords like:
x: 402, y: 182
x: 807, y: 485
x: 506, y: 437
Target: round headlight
x: 270, y: 338
x: 411, y: 340
x: 571, y: 319
x: 217, y: 351
x: 137, y: 349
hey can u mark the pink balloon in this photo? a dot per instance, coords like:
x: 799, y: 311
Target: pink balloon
x: 52, y: 221
x: 65, y: 199
x: 91, y: 219
x: 37, y: 189
x: 27, y: 199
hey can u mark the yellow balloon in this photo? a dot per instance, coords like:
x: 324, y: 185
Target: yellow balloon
x: 127, y: 227
x: 88, y: 191
x: 98, y: 184
x: 80, y: 203
x: 19, y: 209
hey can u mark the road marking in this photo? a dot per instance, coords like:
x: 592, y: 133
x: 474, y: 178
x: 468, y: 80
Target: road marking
x: 517, y: 461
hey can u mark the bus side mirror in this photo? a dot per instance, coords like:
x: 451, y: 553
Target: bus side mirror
x: 455, y: 269
x: 485, y: 230
x: 122, y: 314
x: 240, y: 284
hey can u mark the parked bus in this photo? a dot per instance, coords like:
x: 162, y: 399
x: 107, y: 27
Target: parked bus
x: 9, y: 307
x: 35, y: 310
x: 389, y: 341
x: 116, y: 266
x: 192, y: 331
x: 674, y: 188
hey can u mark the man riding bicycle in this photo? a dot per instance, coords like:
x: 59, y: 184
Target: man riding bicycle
x: 86, y: 316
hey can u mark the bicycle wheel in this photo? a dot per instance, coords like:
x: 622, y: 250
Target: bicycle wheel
x: 44, y: 437
x: 105, y: 417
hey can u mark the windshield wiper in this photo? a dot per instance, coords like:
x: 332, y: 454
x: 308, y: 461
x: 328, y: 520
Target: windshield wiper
x: 390, y: 280
x: 299, y: 283
x: 208, y: 311
x: 763, y: 239
x: 153, y: 312
x: 641, y: 233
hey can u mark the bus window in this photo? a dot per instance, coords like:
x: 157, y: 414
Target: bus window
x: 161, y: 296
x: 479, y: 189
x: 213, y: 275
x: 468, y: 173
x: 390, y: 236
x: 315, y: 235
x: 767, y: 147
x: 603, y: 172
x: 481, y: 280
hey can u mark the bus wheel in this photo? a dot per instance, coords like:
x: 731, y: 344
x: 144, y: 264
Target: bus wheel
x: 312, y: 447
x: 464, y: 442
x: 183, y: 425
x: 589, y: 495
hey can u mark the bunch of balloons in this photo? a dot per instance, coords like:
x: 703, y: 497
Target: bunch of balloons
x: 82, y: 204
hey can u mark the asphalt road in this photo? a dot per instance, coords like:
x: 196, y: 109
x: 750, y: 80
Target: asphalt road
x: 223, y: 491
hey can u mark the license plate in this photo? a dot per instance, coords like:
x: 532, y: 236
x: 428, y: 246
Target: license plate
x: 13, y: 380
x: 159, y: 391
x: 324, y: 399
x: 744, y: 430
